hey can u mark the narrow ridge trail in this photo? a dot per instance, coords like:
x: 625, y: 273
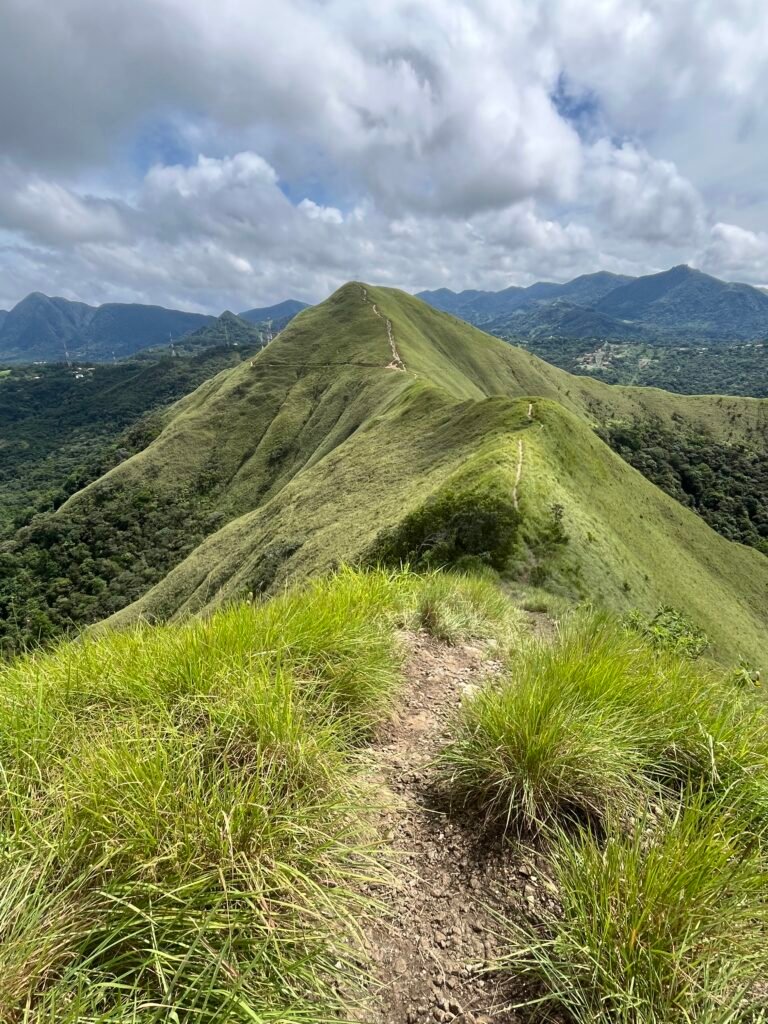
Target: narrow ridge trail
x: 430, y: 950
x: 518, y: 473
x: 396, y: 362
x: 520, y: 459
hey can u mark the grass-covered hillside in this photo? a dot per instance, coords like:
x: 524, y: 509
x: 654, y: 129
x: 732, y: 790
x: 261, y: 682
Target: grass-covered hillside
x: 62, y: 426
x: 376, y: 427
x: 306, y: 809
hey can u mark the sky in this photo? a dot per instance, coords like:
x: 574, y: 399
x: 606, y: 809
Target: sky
x: 209, y: 155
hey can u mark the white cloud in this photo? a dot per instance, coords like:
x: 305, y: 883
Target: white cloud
x: 47, y: 212
x: 735, y: 252
x: 417, y: 145
x: 646, y: 199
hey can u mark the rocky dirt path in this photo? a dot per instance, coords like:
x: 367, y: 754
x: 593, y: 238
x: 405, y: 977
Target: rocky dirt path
x: 431, y: 950
x: 396, y: 363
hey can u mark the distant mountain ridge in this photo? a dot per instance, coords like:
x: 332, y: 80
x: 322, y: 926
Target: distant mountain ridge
x: 674, y: 305
x: 483, y: 306
x: 51, y: 329
x: 280, y: 314
x: 48, y: 329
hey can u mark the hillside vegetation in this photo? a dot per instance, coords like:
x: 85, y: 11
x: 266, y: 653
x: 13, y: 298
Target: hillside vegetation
x: 199, y: 820
x: 690, y: 369
x: 322, y: 450
x: 63, y: 426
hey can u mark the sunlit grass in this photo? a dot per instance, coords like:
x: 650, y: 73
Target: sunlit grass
x: 665, y: 922
x: 187, y: 829
x: 184, y: 833
x: 594, y: 723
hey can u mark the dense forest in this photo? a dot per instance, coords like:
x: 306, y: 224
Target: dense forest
x: 687, y: 369
x: 62, y: 426
x: 60, y: 572
x: 726, y: 484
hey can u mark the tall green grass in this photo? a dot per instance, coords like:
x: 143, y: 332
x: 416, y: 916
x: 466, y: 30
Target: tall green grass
x: 186, y: 831
x: 593, y: 723
x: 456, y: 607
x: 184, y: 834
x: 662, y: 924
x: 646, y: 777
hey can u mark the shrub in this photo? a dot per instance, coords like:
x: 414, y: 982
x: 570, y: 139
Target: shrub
x: 451, y: 527
x: 669, y: 630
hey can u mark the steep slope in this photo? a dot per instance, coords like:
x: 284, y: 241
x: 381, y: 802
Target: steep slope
x: 43, y: 329
x: 370, y: 412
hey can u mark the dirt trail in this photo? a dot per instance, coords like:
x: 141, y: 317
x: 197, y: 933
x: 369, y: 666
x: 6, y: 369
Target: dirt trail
x: 520, y: 457
x: 519, y: 473
x: 396, y: 362
x: 429, y: 953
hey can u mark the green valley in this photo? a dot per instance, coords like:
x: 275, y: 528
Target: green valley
x: 63, y: 426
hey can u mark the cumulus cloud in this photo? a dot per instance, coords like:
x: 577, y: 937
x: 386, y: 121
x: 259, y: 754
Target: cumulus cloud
x: 645, y: 198
x: 228, y: 155
x: 48, y: 213
x: 736, y: 253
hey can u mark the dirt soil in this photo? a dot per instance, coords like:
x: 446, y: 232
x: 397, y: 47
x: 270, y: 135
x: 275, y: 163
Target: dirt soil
x: 431, y: 951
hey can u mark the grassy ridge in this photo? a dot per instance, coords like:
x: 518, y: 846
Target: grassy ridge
x: 297, y: 460
x: 419, y: 430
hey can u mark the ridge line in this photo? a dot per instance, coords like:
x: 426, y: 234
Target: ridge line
x: 397, y: 362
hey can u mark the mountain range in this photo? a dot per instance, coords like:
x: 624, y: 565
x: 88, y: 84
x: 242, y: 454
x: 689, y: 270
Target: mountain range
x: 676, y: 305
x: 375, y: 427
x: 44, y: 329
x: 278, y: 315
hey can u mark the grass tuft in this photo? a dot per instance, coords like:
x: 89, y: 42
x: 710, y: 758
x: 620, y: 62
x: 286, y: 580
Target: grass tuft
x: 184, y: 833
x: 457, y: 607
x: 658, y: 924
x: 593, y: 723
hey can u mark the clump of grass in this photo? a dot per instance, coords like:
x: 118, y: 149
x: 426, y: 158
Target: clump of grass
x: 539, y: 600
x: 456, y: 607
x: 658, y: 924
x: 334, y: 636
x: 184, y: 833
x: 591, y: 724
